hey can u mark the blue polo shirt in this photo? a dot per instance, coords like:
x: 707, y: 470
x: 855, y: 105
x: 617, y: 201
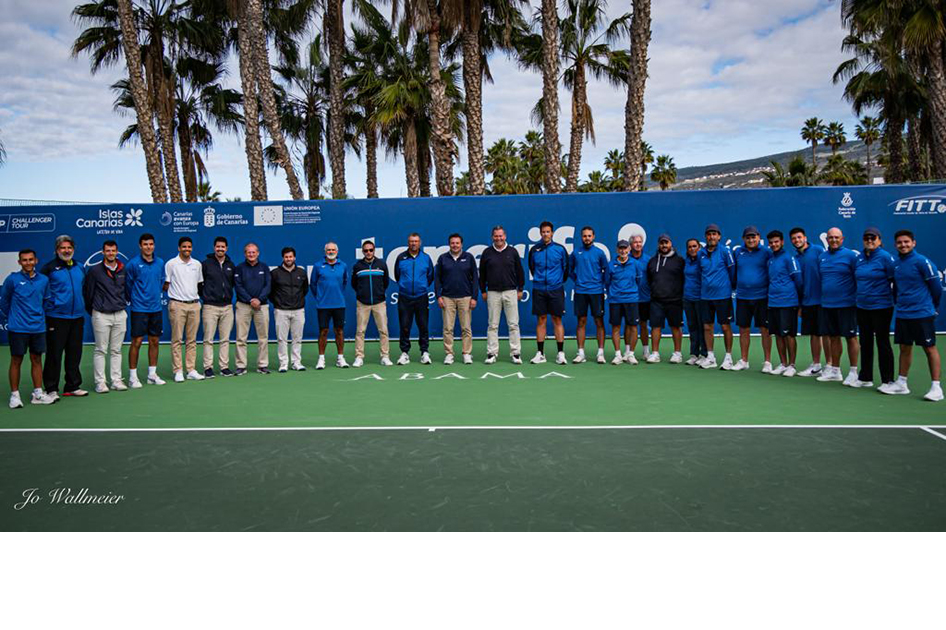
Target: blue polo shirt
x: 752, y: 272
x: 645, y: 282
x: 624, y: 281
x: 874, y: 275
x: 328, y: 282
x: 838, y: 284
x: 810, y: 274
x: 144, y: 283
x: 919, y: 289
x: 717, y: 272
x: 588, y: 268
x: 23, y: 302
x: 691, y: 278
x: 785, y: 280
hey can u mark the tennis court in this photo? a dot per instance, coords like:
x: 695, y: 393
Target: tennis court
x: 576, y: 447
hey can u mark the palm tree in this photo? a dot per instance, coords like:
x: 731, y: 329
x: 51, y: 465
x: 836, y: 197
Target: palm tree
x: 868, y: 132
x: 777, y: 177
x: 3, y: 153
x: 550, y: 64
x: 835, y: 137
x: 504, y: 164
x: 532, y: 154
x: 636, y: 80
x: 647, y: 157
x: 841, y: 172
x: 335, y: 29
x: 205, y: 194
x: 253, y: 143
x: 366, y: 62
x: 597, y: 182
x: 616, y: 163
x: 665, y: 172
x: 813, y: 132
x: 923, y: 35
x: 800, y: 173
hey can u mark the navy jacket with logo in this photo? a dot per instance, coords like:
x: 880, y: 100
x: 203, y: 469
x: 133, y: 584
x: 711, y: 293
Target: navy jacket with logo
x: 105, y: 290
x: 549, y: 266
x: 252, y: 281
x: 919, y: 289
x: 217, y: 287
x: 65, y: 288
x: 874, y: 275
x: 456, y: 278
x: 413, y: 274
x: 370, y: 281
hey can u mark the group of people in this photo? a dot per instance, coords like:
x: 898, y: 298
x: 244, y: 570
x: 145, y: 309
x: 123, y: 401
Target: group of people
x: 836, y: 291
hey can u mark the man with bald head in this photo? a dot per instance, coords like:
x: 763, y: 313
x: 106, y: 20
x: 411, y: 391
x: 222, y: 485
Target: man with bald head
x: 838, y: 266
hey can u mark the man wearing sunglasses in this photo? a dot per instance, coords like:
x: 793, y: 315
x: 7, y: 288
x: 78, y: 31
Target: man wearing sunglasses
x: 369, y: 279
x: 874, y: 276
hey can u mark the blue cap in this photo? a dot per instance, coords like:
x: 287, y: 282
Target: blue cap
x: 623, y: 243
x: 664, y: 237
x: 749, y: 231
x: 712, y: 227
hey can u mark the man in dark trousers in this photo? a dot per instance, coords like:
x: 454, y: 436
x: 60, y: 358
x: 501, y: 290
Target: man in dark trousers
x: 105, y: 300
x: 216, y: 291
x: 414, y: 273
x: 501, y: 282
x: 65, y: 320
x: 665, y: 277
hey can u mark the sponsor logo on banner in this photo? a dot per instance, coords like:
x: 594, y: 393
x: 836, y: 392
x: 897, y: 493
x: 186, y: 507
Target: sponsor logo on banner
x: 111, y: 221
x: 847, y: 209
x: 182, y: 222
x: 210, y: 217
x: 133, y: 218
x: 920, y: 206
x: 166, y: 219
x: 302, y: 215
x: 20, y: 223
x: 267, y: 215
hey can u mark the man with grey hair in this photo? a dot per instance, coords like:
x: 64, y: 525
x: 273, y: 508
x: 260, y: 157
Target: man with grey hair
x: 501, y: 282
x: 65, y: 320
x: 252, y: 280
x: 327, y: 284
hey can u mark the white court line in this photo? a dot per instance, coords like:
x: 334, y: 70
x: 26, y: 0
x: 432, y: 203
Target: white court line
x: 936, y: 433
x: 431, y: 429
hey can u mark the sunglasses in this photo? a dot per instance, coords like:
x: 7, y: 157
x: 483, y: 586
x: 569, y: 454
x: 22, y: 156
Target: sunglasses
x: 870, y: 237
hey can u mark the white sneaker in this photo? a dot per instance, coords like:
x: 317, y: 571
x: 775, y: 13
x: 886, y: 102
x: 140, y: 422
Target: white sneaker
x: 831, y: 374
x: 15, y: 402
x: 676, y: 357
x: 851, y: 378
x: 812, y: 370
x: 320, y: 364
x: 766, y: 367
x: 42, y: 399
x: 630, y: 359
x: 894, y: 389
x: 579, y: 358
x: 178, y: 377
x: 490, y: 359
x: 560, y: 359
x: 298, y: 367
x: 134, y: 383
x: 101, y: 388
x: 777, y: 371
x: 859, y: 384
x: 448, y: 360
x: 618, y: 359
x: 739, y: 367
x: 425, y: 359
x: 385, y: 361
x: 358, y: 362
x: 727, y: 362
x: 710, y: 362
x: 790, y: 371
x: 516, y: 359
x: 600, y: 358
x: 194, y: 375
x: 538, y: 358
x: 119, y: 386
x: 404, y: 359
x: 935, y: 394
x: 467, y: 359
x: 340, y: 362
x: 154, y: 379
x: 54, y: 396
x: 693, y: 360
x: 653, y: 357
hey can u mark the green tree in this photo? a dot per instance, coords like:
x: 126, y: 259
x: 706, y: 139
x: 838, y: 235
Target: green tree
x: 647, y: 158
x: 205, y: 194
x: 597, y: 182
x: 665, y: 172
x: 813, y: 132
x: 835, y: 137
x: 615, y: 164
x: 868, y: 132
x: 841, y: 172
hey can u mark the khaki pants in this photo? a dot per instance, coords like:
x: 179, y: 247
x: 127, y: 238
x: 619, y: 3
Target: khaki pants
x: 260, y: 319
x: 109, y: 329
x: 363, y: 313
x: 499, y: 302
x: 451, y: 308
x: 289, y: 323
x: 185, y: 319
x: 217, y: 319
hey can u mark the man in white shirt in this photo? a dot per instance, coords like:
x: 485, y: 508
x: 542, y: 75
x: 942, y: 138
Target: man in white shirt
x: 183, y: 274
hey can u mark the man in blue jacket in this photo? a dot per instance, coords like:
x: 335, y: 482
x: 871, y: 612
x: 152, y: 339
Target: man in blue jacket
x: 456, y: 283
x: 105, y: 300
x: 144, y: 284
x: 807, y: 255
x: 919, y: 291
x: 784, y: 291
x: 327, y: 285
x: 414, y: 273
x: 838, y: 266
x: 23, y: 301
x: 625, y: 276
x: 252, y: 280
x: 874, y: 275
x: 65, y: 320
x: 548, y: 264
x: 752, y: 289
x: 589, y: 269
x: 717, y: 276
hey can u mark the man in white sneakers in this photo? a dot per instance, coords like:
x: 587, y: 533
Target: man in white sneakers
x: 288, y: 289
x: 501, y: 281
x: 104, y: 293
x: 144, y: 282
x: 183, y: 273
x: 329, y: 277
x: 455, y: 282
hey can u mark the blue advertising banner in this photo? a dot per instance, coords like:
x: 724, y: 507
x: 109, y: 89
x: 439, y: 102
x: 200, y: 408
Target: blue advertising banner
x: 309, y: 225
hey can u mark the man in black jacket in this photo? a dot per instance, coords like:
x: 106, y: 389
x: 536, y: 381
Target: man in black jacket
x: 288, y: 289
x: 369, y: 279
x: 501, y: 282
x: 104, y: 293
x: 216, y: 292
x: 665, y: 276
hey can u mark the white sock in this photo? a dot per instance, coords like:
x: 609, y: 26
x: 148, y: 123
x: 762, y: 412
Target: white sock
x: 935, y: 385
x: 646, y: 349
x: 152, y: 370
x: 36, y: 392
x: 728, y: 356
x: 627, y: 348
x: 600, y: 350
x: 133, y: 375
x: 853, y: 370
x: 581, y: 352
x: 901, y: 380
x: 322, y: 357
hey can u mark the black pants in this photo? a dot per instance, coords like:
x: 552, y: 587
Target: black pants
x: 409, y: 309
x: 63, y: 335
x: 695, y: 328
x: 875, y: 324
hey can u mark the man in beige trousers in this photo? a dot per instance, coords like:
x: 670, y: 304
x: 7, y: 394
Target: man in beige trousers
x: 252, y: 282
x: 216, y: 292
x: 455, y: 283
x: 369, y: 279
x: 183, y: 275
x: 501, y: 283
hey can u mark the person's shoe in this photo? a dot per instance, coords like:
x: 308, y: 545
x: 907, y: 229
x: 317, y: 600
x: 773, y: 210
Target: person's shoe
x: 560, y: 359
x: 894, y: 389
x: 790, y: 371
x: 101, y: 388
x: 812, y: 370
x: 15, y: 402
x: 386, y: 362
x: 727, y: 363
x: 448, y: 359
x: 119, y: 386
x: 777, y: 371
x: 600, y: 358
x: 178, y: 377
x: 425, y: 358
x: 358, y: 362
x: 630, y: 359
x: 676, y: 357
x: 859, y: 384
x: 54, y: 396
x: 209, y: 373
x: 240, y: 372
x: 767, y: 367
x: 516, y: 359
x: 538, y: 358
x: 467, y: 359
x: 43, y: 399
x: 693, y: 360
x: 262, y: 370
x: 490, y: 359
x: 653, y: 357
x: 851, y: 379
x: 579, y: 358
x: 740, y: 366
x: 340, y: 362
x: 320, y: 365
x: 618, y: 359
x: 227, y: 372
x: 710, y: 362
x: 298, y: 368
x: 830, y: 376
x: 135, y: 384
x: 194, y: 375
x: 404, y: 359
x: 78, y: 393
x: 282, y: 370
x: 935, y: 394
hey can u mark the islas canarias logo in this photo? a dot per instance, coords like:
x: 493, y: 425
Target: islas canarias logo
x: 920, y: 205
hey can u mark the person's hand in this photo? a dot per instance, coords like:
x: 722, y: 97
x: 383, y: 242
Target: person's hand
x: 472, y: 304
x: 255, y: 304
x: 484, y: 297
x: 519, y: 294
x: 440, y: 302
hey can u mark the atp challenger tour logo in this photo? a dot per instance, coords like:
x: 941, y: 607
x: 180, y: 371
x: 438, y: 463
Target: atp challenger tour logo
x: 920, y: 206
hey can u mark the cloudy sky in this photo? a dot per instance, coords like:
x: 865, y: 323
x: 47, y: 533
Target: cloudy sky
x: 729, y: 80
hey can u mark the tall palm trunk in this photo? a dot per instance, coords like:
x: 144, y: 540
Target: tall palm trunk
x: 187, y: 159
x: 893, y: 134
x: 410, y: 158
x: 371, y: 156
x: 914, y: 149
x: 253, y: 144
x: 636, y: 81
x: 264, y: 81
x: 936, y: 75
x: 870, y: 180
x: 335, y: 27
x: 310, y: 163
x: 579, y: 103
x: 163, y: 103
x: 550, y: 65
x: 440, y: 120
x: 473, y: 87
x: 139, y: 93
x: 423, y: 166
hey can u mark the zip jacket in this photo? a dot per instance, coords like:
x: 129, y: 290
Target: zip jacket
x: 370, y: 281
x: 785, y: 280
x: 644, y: 288
x: 717, y: 273
x: 252, y: 281
x: 456, y: 278
x: 811, y: 274
x: 624, y: 280
x: 752, y: 272
x: 874, y: 276
x: 104, y: 290
x: 919, y: 289
x: 23, y: 302
x: 691, y: 279
x: 588, y: 267
x: 548, y: 265
x: 65, y: 287
x: 838, y: 284
x: 144, y: 283
x: 328, y: 282
x: 413, y: 274
x: 665, y: 277
x: 217, y: 287
x: 288, y: 289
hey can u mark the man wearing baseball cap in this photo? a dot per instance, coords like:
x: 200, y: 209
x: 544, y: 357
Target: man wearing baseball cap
x: 624, y: 278
x: 665, y: 278
x: 717, y: 276
x: 752, y: 296
x: 874, y: 276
